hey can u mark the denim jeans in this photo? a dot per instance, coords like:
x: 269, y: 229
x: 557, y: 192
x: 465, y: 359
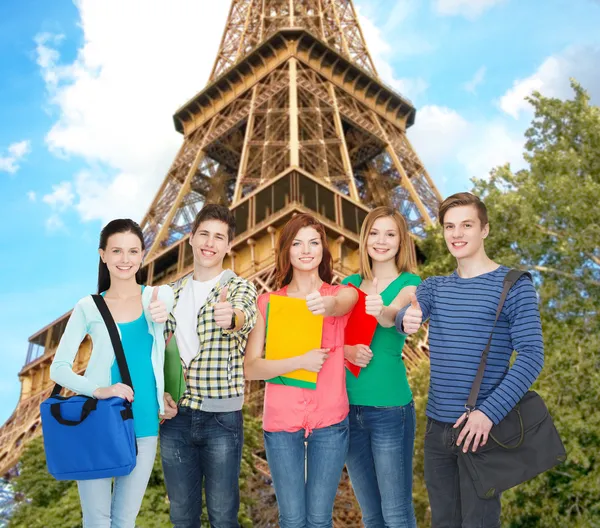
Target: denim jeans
x: 106, y: 507
x: 380, y: 464
x: 306, y: 473
x: 199, y: 447
x: 452, y: 496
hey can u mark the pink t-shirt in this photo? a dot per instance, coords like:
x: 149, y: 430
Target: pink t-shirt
x: 291, y: 409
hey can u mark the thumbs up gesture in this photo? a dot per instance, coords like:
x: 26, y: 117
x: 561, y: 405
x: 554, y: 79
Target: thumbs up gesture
x: 413, y: 317
x: 374, y: 302
x: 314, y: 300
x: 223, y: 310
x: 157, y: 308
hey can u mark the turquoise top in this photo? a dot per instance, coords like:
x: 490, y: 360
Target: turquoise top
x: 86, y: 320
x: 137, y: 344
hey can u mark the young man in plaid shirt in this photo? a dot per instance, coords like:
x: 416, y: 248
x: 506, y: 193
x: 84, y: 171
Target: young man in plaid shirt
x: 213, y: 315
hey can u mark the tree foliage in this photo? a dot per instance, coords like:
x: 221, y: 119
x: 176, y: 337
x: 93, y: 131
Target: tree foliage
x: 546, y: 219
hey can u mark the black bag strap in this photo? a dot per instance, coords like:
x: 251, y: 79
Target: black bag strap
x: 89, y: 406
x: 511, y: 277
x: 115, y: 340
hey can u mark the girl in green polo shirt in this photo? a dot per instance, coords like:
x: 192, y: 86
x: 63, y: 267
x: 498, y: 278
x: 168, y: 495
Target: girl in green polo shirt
x: 382, y: 413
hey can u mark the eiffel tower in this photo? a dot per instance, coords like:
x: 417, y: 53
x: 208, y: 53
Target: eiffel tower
x: 294, y: 118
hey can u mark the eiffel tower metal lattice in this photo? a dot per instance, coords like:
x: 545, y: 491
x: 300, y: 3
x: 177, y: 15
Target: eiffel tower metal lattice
x: 294, y: 119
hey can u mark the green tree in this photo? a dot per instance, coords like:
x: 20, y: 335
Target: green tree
x: 419, y: 383
x: 546, y: 219
x: 43, y: 502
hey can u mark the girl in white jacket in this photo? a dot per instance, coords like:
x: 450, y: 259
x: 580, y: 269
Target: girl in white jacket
x: 140, y: 313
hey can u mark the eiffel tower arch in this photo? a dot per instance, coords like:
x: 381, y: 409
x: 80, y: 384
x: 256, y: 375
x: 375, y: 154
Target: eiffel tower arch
x: 294, y: 119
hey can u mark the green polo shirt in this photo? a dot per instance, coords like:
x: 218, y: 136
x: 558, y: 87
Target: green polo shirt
x: 383, y: 382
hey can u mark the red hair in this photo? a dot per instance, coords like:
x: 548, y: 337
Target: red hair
x: 283, y: 265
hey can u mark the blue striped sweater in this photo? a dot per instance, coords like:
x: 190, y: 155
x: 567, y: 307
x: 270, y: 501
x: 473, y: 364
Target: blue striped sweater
x: 461, y: 313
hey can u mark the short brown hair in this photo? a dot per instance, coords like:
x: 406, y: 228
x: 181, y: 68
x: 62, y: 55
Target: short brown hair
x: 461, y: 199
x: 215, y: 212
x: 404, y: 257
x: 283, y: 263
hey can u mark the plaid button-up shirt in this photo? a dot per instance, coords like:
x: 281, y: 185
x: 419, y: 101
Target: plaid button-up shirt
x: 217, y: 372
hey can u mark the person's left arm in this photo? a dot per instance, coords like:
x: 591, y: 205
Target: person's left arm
x: 525, y: 331
x: 242, y: 296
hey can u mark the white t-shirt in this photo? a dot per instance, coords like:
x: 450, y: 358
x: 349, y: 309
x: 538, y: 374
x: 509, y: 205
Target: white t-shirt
x: 191, y: 300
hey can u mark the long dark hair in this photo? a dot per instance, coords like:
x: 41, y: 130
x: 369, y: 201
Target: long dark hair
x: 121, y: 225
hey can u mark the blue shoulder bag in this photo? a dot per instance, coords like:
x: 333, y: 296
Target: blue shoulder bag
x: 86, y: 438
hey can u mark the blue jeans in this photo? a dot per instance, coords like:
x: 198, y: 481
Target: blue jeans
x: 305, y: 493
x: 380, y: 464
x: 196, y: 447
x: 104, y: 507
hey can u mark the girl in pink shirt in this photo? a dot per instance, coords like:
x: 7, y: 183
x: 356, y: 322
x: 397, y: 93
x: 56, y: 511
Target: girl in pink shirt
x: 300, y: 422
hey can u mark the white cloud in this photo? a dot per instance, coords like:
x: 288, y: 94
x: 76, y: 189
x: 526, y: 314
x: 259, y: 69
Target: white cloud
x: 437, y: 134
x: 115, y: 101
x: 448, y: 143
x: 552, y: 79
x: 94, y: 187
x: 489, y: 146
x: 32, y: 196
x: 61, y: 197
x: 399, y: 13
x: 16, y: 152
x: 381, y: 52
x: 470, y: 9
x: 48, y: 58
x: 477, y: 79
x: 54, y: 223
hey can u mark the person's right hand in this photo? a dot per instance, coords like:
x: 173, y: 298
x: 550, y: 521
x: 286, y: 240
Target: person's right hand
x: 413, y: 317
x: 314, y: 359
x: 118, y: 390
x: 374, y: 302
x: 359, y: 355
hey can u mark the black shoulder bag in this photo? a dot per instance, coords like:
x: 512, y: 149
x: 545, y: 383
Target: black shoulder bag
x: 524, y: 444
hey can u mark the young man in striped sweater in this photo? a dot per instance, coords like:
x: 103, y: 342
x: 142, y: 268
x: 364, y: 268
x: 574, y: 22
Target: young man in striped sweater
x: 461, y: 309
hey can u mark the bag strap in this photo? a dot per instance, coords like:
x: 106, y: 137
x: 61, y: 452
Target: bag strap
x: 511, y: 277
x: 115, y: 340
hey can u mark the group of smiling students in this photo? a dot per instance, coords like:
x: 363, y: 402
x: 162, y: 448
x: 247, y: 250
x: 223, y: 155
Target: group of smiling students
x: 366, y: 423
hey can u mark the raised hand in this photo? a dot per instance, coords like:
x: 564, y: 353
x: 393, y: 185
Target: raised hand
x: 359, y: 355
x: 315, y: 301
x: 314, y: 359
x: 413, y: 317
x: 157, y: 308
x: 223, y: 310
x: 374, y: 302
x: 118, y: 390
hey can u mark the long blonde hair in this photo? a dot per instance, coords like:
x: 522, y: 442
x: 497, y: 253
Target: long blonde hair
x: 405, y: 258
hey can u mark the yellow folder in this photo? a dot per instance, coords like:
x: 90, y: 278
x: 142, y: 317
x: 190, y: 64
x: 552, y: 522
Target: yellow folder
x: 292, y: 330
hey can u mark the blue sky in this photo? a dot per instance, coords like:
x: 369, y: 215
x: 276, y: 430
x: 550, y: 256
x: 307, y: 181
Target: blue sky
x: 87, y: 91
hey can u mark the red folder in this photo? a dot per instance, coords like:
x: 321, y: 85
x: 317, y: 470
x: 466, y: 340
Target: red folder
x: 359, y: 329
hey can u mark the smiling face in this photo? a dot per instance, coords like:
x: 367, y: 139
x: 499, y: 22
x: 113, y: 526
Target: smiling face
x: 210, y: 243
x: 383, y: 240
x: 123, y: 255
x: 306, y: 251
x: 463, y: 231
